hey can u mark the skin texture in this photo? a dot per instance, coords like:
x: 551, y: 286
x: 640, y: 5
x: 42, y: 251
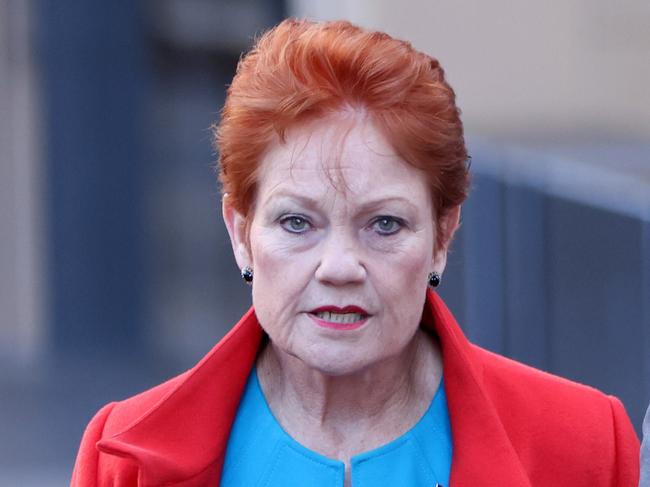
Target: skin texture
x: 340, y: 219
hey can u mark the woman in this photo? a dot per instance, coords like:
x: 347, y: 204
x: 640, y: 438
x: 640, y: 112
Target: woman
x: 343, y: 168
x: 644, y: 481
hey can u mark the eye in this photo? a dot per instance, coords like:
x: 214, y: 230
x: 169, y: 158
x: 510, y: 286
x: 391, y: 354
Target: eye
x: 387, y: 225
x: 295, y: 223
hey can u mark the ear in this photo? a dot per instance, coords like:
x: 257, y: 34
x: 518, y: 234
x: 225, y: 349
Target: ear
x: 236, y: 225
x: 449, y: 222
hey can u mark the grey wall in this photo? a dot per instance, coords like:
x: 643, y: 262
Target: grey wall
x: 556, y: 281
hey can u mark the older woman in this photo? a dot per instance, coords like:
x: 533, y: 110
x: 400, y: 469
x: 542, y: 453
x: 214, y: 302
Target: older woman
x: 644, y: 481
x: 343, y: 169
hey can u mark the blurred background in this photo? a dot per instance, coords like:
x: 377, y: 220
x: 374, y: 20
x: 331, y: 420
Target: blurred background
x: 115, y: 270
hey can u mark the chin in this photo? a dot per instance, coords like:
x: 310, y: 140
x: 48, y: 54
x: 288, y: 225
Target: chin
x: 336, y: 363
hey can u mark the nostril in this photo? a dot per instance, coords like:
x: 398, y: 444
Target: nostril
x: 340, y: 269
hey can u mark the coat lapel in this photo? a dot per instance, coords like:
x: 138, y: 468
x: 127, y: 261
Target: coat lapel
x: 482, y: 452
x: 181, y: 441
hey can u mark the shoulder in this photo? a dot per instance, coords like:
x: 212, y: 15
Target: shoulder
x: 571, y: 422
x: 148, y: 432
x: 86, y: 468
x: 526, y: 385
x: 129, y: 411
x: 91, y: 465
x: 515, y: 387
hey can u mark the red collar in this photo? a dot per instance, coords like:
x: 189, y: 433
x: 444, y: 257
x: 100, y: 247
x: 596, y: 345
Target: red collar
x: 182, y: 439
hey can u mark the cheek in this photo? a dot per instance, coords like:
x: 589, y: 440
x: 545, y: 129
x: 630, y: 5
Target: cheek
x: 406, y: 266
x: 280, y: 275
x: 268, y: 283
x: 402, y: 288
x: 270, y: 254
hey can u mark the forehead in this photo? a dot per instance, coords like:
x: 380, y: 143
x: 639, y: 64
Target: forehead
x: 342, y: 155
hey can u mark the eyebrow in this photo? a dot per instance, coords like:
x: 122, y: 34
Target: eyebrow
x: 306, y: 200
x: 311, y: 202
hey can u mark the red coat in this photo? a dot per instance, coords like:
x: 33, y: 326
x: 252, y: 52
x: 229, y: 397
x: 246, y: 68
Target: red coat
x: 511, y: 425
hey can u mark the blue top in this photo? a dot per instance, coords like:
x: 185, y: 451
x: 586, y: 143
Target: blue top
x: 261, y: 454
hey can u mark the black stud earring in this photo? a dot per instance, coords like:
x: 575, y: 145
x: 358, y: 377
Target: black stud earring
x: 434, y: 279
x: 247, y: 274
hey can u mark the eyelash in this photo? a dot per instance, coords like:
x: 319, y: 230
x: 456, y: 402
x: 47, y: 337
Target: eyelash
x: 286, y: 222
x: 398, y: 221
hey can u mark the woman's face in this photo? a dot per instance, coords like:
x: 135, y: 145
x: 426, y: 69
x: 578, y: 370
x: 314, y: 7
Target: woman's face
x: 342, y: 240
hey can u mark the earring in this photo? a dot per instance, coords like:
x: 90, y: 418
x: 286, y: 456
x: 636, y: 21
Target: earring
x: 247, y: 274
x: 434, y: 279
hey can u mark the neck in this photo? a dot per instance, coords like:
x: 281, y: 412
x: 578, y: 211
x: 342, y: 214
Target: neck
x: 347, y: 414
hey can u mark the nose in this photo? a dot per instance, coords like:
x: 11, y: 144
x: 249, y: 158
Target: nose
x: 340, y: 262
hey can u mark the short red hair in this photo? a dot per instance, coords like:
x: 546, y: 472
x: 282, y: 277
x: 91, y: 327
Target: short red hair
x: 302, y: 70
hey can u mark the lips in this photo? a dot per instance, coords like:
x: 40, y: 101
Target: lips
x: 346, y: 318
x: 345, y: 309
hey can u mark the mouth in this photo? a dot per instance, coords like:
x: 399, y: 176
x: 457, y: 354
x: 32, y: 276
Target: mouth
x: 347, y: 318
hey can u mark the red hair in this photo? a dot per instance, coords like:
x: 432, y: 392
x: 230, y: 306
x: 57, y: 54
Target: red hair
x: 302, y: 70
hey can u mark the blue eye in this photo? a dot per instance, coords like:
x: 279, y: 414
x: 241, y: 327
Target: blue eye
x: 387, y: 225
x: 295, y: 223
